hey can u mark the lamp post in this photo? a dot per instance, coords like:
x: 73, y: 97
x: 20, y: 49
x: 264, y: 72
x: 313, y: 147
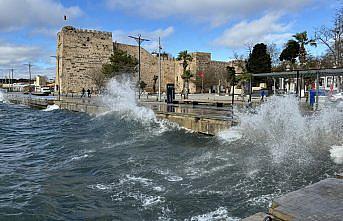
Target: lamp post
x: 139, y: 40
x: 160, y: 69
x: 58, y: 74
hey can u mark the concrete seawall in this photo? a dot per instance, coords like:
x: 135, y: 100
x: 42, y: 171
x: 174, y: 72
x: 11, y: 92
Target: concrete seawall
x: 200, y: 123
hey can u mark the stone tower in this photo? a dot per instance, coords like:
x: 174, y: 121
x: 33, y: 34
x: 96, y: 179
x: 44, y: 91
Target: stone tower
x: 80, y: 51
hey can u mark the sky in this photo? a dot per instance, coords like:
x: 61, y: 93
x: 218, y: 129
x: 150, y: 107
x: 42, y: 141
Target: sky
x: 28, y: 28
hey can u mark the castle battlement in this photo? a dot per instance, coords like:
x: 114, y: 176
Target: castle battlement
x: 82, y: 31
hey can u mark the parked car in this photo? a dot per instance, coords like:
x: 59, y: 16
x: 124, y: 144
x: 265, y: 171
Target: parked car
x: 45, y: 90
x: 337, y: 97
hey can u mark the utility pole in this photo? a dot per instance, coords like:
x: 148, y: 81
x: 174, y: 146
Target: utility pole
x: 160, y: 69
x: 58, y: 74
x: 12, y: 80
x: 9, y: 79
x: 29, y: 65
x: 139, y: 40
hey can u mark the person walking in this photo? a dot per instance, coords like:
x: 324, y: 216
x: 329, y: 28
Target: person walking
x: 88, y: 93
x: 262, y: 95
x: 83, y: 93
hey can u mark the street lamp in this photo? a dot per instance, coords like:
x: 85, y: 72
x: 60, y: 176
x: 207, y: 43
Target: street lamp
x: 159, y: 68
x: 58, y: 74
x: 29, y: 65
x: 139, y: 40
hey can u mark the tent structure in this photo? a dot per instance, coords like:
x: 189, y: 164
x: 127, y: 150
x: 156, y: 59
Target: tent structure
x: 299, y: 75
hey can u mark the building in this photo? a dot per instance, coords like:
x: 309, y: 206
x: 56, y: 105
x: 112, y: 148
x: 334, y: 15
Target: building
x: 79, y: 51
x: 40, y: 81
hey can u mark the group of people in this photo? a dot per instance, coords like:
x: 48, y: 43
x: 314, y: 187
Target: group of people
x: 83, y: 94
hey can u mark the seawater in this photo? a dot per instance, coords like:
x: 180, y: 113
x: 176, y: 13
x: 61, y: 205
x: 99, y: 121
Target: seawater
x: 125, y: 165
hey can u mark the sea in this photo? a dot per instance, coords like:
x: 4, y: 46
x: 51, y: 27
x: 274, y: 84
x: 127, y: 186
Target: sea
x: 128, y: 165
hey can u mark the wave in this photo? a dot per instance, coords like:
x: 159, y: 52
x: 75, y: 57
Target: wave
x: 121, y: 97
x: 219, y: 214
x: 52, y: 108
x: 336, y: 154
x: 2, y: 97
x: 281, y: 126
x: 121, y: 100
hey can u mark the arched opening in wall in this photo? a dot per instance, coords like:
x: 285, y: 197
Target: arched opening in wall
x: 88, y: 39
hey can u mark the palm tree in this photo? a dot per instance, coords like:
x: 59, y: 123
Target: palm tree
x: 303, y: 40
x: 186, y: 75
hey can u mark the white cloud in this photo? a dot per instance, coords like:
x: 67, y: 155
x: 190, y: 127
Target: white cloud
x: 266, y: 29
x: 16, y: 14
x: 217, y: 12
x: 49, y: 32
x: 152, y: 45
x: 15, y: 56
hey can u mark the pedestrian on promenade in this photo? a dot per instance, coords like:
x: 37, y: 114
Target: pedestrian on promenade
x: 88, y: 93
x: 83, y: 94
x: 262, y: 95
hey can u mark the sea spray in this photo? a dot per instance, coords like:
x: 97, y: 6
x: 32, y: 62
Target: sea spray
x: 336, y: 154
x: 51, y: 108
x: 2, y: 97
x: 281, y: 127
x: 121, y: 97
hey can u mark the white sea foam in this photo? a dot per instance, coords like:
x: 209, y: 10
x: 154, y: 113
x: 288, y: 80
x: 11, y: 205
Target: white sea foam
x: 134, y: 179
x: 146, y: 200
x: 336, y: 154
x: 174, y: 178
x: 263, y: 200
x: 52, y: 107
x: 230, y: 135
x: 121, y: 97
x: 79, y: 157
x: 219, y: 214
x: 2, y: 97
x: 101, y: 186
x: 281, y: 127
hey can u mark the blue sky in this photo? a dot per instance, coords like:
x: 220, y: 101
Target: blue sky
x: 28, y: 27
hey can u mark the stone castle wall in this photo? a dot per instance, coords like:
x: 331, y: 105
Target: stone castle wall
x: 150, y: 66
x: 84, y: 50
x: 80, y: 52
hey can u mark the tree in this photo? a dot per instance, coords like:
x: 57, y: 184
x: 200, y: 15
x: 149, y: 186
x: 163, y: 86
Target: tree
x: 186, y: 75
x: 97, y: 77
x: 259, y: 60
x: 120, y: 63
x: 231, y: 76
x: 331, y: 37
x: 303, y: 40
x: 244, y: 76
x: 290, y: 52
x: 274, y: 53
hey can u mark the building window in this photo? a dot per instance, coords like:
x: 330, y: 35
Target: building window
x: 88, y: 39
